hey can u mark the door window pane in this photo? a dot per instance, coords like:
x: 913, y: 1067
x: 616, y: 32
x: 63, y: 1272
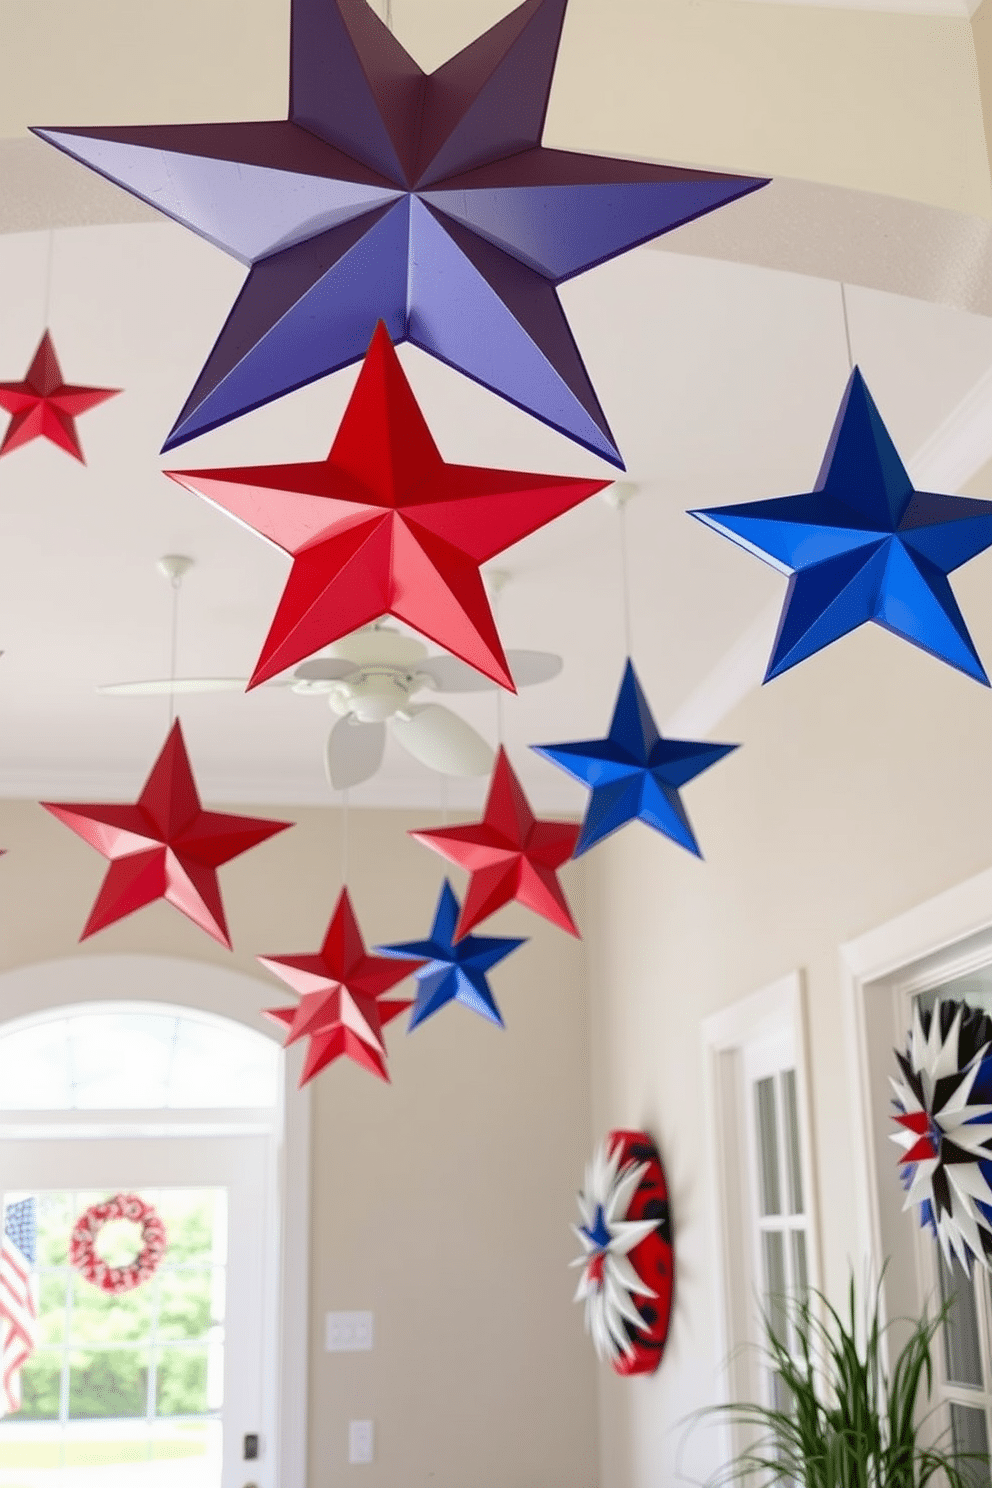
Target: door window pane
x: 108, y: 1383
x: 773, y: 1248
x: 767, y: 1126
x: 790, y: 1121
x: 969, y: 1434
x: 962, y: 1347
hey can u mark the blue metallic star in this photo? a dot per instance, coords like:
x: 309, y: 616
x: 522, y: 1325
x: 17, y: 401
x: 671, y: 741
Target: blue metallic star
x: 422, y: 200
x: 634, y: 773
x: 455, y: 970
x: 863, y: 545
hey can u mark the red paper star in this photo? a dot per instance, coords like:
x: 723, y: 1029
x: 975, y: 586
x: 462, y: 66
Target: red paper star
x: 341, y: 990
x: 165, y: 846
x: 45, y: 407
x: 384, y: 527
x: 509, y: 854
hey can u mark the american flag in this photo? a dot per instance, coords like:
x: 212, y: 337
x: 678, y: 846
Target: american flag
x: 18, y: 1314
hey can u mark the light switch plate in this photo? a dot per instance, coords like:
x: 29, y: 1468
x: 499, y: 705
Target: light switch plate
x: 347, y: 1332
x: 361, y: 1440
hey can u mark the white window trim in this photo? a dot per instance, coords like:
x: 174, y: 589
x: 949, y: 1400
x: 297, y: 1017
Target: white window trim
x: 30, y: 990
x: 776, y: 1011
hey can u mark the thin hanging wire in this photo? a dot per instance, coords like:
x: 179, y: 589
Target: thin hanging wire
x: 47, y: 313
x: 176, y: 582
x: 625, y: 579
x: 387, y: 13
x: 444, y: 800
x: 847, y: 326
x: 344, y: 838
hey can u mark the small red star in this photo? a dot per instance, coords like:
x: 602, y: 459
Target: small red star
x: 341, y: 990
x: 45, y: 407
x: 384, y: 527
x: 165, y: 846
x: 509, y: 854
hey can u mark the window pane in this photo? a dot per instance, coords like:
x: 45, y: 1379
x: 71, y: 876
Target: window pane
x: 41, y: 1384
x: 55, y: 1218
x: 108, y: 1383
x: 800, y: 1277
x: 182, y: 1382
x: 790, y: 1121
x: 969, y: 1434
x: 186, y: 1298
x: 767, y: 1127
x: 99, y: 1317
x: 962, y: 1350
x: 773, y: 1248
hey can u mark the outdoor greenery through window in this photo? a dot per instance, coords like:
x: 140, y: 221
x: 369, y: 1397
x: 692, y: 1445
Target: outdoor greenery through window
x: 135, y: 1377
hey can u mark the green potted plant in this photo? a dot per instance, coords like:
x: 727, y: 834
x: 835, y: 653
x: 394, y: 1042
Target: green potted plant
x: 845, y: 1419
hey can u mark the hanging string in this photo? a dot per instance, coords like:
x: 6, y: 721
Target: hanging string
x: 344, y: 837
x: 625, y: 578
x: 444, y: 800
x: 847, y: 326
x: 176, y: 582
x: 46, y: 318
x: 387, y: 13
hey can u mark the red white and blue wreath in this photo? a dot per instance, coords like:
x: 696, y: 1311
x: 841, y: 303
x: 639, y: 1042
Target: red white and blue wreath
x: 627, y: 1262
x: 944, y: 1106
x: 82, y: 1244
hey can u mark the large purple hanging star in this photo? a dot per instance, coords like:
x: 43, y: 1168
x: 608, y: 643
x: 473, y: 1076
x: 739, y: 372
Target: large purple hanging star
x: 424, y: 200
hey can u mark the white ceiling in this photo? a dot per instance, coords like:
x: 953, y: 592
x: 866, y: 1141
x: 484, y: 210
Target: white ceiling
x: 720, y: 380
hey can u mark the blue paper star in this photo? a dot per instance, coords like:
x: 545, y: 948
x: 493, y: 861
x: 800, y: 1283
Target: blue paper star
x: 455, y: 970
x: 863, y: 545
x: 422, y: 200
x: 634, y: 773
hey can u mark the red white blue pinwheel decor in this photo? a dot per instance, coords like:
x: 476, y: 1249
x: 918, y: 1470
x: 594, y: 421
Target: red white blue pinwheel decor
x: 627, y: 1261
x: 634, y: 773
x: 864, y: 545
x: 944, y: 1109
x: 424, y: 200
x: 456, y: 969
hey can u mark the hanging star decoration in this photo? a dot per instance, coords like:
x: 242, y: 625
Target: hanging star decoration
x: 165, y: 846
x: 384, y: 527
x: 455, y: 970
x: 343, y: 1008
x: 510, y: 855
x: 944, y: 1107
x: 627, y: 1261
x: 864, y: 545
x: 426, y: 200
x: 634, y: 774
x: 43, y: 406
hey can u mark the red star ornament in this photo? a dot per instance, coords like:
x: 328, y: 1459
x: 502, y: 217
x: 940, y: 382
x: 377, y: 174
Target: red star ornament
x: 384, y: 527
x: 45, y: 407
x: 165, y: 846
x: 341, y: 990
x: 509, y: 854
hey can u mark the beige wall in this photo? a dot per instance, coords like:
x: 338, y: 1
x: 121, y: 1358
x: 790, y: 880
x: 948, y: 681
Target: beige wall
x: 862, y: 790
x: 442, y: 1202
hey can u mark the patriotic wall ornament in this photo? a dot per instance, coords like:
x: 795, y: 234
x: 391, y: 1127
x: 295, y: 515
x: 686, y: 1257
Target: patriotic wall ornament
x: 425, y: 200
x: 510, y: 855
x: 455, y: 970
x: 86, y: 1231
x: 944, y: 1109
x: 164, y: 846
x: 44, y: 406
x: 864, y: 545
x: 634, y: 774
x: 627, y: 1260
x: 343, y: 1008
x: 384, y: 527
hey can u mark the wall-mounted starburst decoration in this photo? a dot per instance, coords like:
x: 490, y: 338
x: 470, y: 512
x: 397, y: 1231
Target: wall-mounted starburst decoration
x: 627, y: 1271
x: 944, y: 1114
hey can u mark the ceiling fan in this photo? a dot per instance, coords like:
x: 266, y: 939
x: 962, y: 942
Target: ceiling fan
x: 369, y: 680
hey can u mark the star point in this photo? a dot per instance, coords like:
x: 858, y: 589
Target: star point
x: 342, y: 989
x: 634, y: 774
x: 44, y: 406
x: 862, y: 546
x: 384, y: 526
x: 424, y: 200
x: 164, y: 846
x: 510, y: 855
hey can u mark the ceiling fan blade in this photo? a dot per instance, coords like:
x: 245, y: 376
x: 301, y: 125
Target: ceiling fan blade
x: 448, y: 674
x: 354, y: 752
x: 160, y: 686
x: 442, y: 741
x: 323, y: 669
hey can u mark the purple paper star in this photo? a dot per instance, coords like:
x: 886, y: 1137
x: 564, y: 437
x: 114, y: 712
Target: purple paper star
x: 424, y: 200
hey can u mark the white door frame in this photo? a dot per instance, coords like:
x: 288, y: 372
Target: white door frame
x: 29, y: 990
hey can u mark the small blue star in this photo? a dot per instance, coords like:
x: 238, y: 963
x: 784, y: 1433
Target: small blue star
x: 599, y: 1231
x: 455, y: 970
x: 864, y: 545
x: 634, y: 773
